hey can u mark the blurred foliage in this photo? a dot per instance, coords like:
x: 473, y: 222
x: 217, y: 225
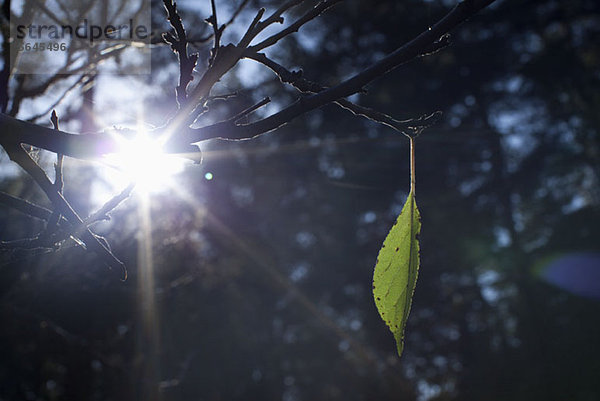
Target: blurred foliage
x: 262, y: 275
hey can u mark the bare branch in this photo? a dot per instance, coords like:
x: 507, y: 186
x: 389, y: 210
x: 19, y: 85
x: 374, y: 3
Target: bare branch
x: 83, y: 80
x: 179, y: 44
x: 64, y: 72
x: 276, y: 16
x: 198, y: 40
x: 104, y: 211
x: 411, y: 50
x: 236, y: 13
x: 226, y: 59
x: 250, y: 110
x: 86, y: 146
x: 212, y: 20
x: 79, y: 229
x: 224, y: 96
x: 252, y: 30
x: 94, y: 145
x: 313, y: 13
x: 58, y: 167
x: 25, y: 207
x: 51, y: 239
x: 25, y: 243
x: 296, y: 79
x: 58, y: 180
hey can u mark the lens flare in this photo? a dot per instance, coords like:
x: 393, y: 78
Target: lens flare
x: 142, y: 160
x: 578, y: 273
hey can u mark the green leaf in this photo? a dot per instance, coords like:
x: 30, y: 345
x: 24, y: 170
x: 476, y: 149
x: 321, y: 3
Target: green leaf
x: 397, y: 269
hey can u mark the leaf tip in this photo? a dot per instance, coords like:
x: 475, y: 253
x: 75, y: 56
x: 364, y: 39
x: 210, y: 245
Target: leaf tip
x: 400, y: 347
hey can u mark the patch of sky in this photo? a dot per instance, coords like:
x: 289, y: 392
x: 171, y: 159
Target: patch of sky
x: 311, y: 40
x: 130, y: 91
x: 397, y: 204
x: 528, y: 42
x: 466, y: 188
x: 16, y: 7
x: 35, y: 106
x: 299, y: 271
x: 305, y: 239
x: 242, y: 195
x: 8, y: 169
x: 251, y: 74
x: 427, y: 391
x: 519, y: 121
x: 502, y: 236
x: 332, y: 169
x: 368, y: 217
x: 487, y: 281
x: 315, y: 120
x: 353, y: 290
x: 257, y: 375
x: 577, y: 202
x: 343, y: 345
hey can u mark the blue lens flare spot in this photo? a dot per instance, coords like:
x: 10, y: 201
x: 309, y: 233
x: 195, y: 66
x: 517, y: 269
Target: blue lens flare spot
x: 578, y: 273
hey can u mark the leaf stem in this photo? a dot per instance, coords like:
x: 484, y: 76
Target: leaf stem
x: 412, y: 165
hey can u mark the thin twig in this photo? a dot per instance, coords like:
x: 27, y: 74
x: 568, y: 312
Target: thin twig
x: 103, y: 212
x: 212, y: 20
x: 22, y: 93
x: 296, y: 79
x: 58, y: 167
x: 62, y: 97
x: 15, y: 131
x: 27, y: 243
x: 25, y: 207
x: 236, y: 13
x: 252, y: 30
x: 157, y: 40
x: 58, y: 180
x: 250, y: 110
x: 39, y: 212
x: 179, y: 44
x: 51, y: 240
x: 224, y: 96
x: 313, y: 13
x: 276, y: 16
x: 227, y: 58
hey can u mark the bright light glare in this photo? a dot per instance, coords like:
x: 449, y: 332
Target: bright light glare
x: 142, y: 161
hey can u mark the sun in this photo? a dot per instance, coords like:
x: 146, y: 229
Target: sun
x: 141, y: 160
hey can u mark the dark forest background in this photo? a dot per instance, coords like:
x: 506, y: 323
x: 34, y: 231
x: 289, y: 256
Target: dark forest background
x: 262, y: 275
